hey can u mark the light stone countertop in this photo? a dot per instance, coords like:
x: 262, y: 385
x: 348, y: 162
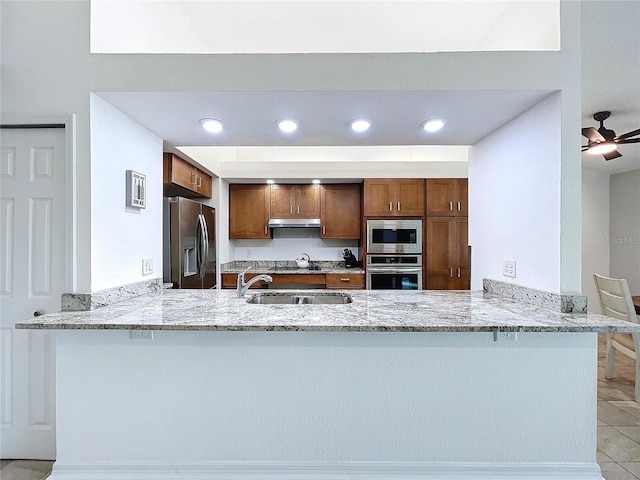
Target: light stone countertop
x: 285, y: 267
x: 371, y: 311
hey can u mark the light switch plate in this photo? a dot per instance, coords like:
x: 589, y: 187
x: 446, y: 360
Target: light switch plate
x: 147, y: 266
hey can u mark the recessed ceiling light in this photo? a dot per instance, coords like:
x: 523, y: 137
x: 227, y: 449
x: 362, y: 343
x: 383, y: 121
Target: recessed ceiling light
x: 212, y: 125
x: 360, y: 125
x: 271, y: 182
x: 315, y: 181
x: 287, y: 126
x: 434, y: 124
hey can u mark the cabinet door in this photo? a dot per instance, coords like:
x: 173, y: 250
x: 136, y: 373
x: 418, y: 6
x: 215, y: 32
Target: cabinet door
x: 307, y: 201
x: 282, y: 201
x: 378, y: 198
x: 248, y: 211
x: 203, y: 184
x: 349, y: 281
x: 441, y: 248
x: 462, y: 197
x: 340, y: 211
x: 462, y: 277
x: 409, y: 197
x: 441, y: 197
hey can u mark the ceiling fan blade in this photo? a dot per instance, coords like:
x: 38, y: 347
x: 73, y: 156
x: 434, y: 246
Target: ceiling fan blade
x: 628, y: 134
x: 592, y: 134
x: 611, y: 155
x: 628, y: 140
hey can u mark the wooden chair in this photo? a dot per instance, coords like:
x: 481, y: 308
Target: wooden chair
x: 615, y: 302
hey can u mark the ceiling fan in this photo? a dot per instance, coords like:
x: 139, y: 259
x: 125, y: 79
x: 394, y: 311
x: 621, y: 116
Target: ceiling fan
x: 605, y: 142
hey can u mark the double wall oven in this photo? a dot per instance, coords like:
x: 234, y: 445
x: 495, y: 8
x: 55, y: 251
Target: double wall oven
x: 394, y: 254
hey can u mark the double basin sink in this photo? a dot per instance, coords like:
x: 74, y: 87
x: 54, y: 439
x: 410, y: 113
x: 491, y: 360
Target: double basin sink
x: 283, y: 298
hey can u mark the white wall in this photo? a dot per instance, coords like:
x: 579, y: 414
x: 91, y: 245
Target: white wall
x: 45, y: 71
x: 595, y: 232
x: 514, y: 199
x: 122, y: 236
x: 624, y: 234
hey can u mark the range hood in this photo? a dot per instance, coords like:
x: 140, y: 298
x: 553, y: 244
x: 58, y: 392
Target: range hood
x: 294, y: 222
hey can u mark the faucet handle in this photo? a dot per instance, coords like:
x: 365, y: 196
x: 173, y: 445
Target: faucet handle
x: 246, y: 270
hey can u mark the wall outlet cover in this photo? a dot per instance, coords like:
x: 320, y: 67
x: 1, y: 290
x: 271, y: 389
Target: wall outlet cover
x: 509, y: 268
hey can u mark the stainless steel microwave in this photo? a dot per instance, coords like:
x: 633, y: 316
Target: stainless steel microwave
x: 394, y: 236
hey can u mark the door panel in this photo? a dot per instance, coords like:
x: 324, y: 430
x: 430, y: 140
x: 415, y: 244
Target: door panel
x: 307, y: 201
x: 32, y: 279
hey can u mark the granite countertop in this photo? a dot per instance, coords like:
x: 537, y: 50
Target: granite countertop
x: 371, y: 311
x: 285, y: 267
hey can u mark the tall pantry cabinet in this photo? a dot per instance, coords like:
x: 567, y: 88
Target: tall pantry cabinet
x: 446, y: 234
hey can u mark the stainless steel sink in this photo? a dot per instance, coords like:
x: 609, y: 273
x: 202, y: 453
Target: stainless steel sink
x: 282, y: 298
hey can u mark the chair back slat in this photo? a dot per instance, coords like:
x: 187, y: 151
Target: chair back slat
x: 615, y: 298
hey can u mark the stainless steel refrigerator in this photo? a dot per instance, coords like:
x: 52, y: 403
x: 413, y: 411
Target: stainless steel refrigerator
x: 189, y: 244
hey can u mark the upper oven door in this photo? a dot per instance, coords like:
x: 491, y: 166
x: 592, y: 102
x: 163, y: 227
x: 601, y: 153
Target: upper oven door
x: 394, y: 236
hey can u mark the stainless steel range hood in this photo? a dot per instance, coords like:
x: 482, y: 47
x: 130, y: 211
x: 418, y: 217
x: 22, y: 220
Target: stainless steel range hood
x: 294, y: 222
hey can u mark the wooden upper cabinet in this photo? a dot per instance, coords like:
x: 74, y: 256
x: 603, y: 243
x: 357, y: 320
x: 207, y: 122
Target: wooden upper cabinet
x: 409, y: 197
x: 340, y: 211
x: 249, y: 211
x: 295, y: 201
x: 447, y: 197
x: 394, y: 197
x: 180, y: 178
x: 282, y: 199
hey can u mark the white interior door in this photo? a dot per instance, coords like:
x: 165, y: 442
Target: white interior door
x: 32, y: 269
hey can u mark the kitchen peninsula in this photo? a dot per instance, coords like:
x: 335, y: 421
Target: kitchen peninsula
x: 403, y: 384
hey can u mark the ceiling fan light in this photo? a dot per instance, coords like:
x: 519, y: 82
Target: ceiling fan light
x: 432, y: 125
x: 212, y: 125
x: 602, y: 148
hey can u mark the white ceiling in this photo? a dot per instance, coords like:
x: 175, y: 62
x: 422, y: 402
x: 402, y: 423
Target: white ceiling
x: 610, y: 81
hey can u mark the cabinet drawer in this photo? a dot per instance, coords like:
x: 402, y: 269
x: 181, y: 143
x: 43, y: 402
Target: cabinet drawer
x: 297, y: 279
x: 345, y: 281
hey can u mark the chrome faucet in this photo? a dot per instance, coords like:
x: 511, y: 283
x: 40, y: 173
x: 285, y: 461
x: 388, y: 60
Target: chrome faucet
x: 243, y: 287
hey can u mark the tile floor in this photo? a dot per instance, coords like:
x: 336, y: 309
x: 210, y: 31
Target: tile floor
x: 618, y: 428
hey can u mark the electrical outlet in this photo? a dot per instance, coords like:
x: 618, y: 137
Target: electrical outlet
x: 141, y: 334
x: 509, y: 268
x: 147, y: 266
x: 340, y: 255
x: 247, y: 253
x: 505, y: 336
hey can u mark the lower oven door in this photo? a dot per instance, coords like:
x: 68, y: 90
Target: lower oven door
x: 394, y: 278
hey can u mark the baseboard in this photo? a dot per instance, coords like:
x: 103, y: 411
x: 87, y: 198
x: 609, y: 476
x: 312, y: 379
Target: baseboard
x: 326, y: 471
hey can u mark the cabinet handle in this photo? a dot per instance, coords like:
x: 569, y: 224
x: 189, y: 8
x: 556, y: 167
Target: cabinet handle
x: 195, y: 178
x: 451, y: 272
x: 390, y: 206
x: 458, y: 272
x: 324, y: 230
x: 398, y: 206
x: 345, y: 279
x: 199, y: 180
x: 298, y: 209
x: 266, y: 230
x: 458, y: 206
x: 451, y: 206
x: 291, y: 210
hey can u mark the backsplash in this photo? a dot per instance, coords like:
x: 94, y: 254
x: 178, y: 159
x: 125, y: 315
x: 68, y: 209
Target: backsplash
x: 289, y: 243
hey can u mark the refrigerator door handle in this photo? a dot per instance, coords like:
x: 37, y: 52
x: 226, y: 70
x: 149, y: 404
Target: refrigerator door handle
x: 205, y: 245
x: 201, y: 239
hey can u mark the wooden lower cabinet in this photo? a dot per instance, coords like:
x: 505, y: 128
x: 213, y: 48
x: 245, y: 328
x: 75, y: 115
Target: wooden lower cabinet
x: 347, y: 281
x: 447, y: 254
